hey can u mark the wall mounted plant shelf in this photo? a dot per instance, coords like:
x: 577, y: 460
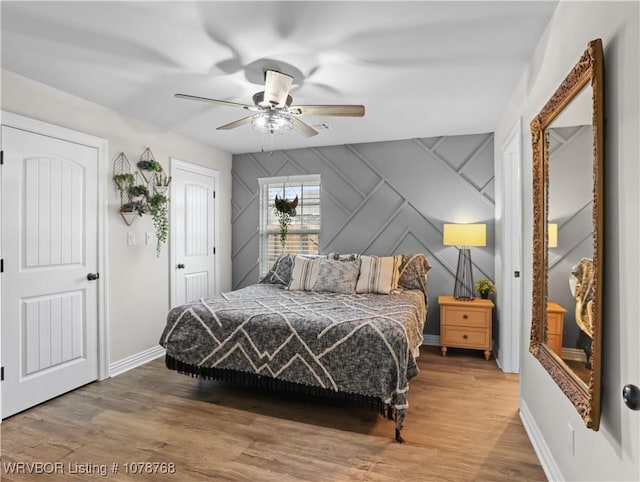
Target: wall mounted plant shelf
x: 143, y: 191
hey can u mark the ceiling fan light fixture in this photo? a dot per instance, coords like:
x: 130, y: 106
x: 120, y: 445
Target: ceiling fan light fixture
x: 271, y: 122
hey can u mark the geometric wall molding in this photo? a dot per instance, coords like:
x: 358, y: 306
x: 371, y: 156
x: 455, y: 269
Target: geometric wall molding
x: 380, y: 198
x: 571, y: 208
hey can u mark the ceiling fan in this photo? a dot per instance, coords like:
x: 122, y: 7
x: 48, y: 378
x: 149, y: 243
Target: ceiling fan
x: 272, y: 111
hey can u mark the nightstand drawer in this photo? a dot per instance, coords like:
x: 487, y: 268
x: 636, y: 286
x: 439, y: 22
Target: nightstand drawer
x: 467, y: 317
x: 461, y: 337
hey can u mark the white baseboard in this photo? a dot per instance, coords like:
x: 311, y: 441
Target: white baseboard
x: 541, y: 448
x: 574, y: 354
x: 133, y: 361
x: 498, y: 358
x: 431, y: 340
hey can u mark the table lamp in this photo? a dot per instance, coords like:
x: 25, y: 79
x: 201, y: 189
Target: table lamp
x: 463, y: 236
x: 553, y: 235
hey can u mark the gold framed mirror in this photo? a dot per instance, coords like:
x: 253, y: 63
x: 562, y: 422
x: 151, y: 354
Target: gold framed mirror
x: 568, y: 141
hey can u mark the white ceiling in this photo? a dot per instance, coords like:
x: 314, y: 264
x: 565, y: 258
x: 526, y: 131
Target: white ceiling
x: 421, y: 68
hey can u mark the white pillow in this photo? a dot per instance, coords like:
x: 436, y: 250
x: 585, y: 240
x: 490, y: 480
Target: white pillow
x: 378, y: 274
x: 304, y: 273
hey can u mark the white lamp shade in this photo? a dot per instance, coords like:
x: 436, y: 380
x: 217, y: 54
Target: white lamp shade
x: 465, y: 235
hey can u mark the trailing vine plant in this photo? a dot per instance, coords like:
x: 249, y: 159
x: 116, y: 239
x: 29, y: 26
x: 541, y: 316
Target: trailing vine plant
x: 158, y: 208
x: 284, y: 211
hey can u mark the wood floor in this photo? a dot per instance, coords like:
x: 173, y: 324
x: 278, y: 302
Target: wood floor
x: 462, y: 425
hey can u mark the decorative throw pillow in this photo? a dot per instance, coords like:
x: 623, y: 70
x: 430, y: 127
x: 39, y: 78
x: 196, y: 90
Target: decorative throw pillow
x: 413, y: 272
x: 304, y: 273
x: 343, y: 257
x: 378, y: 274
x: 280, y: 272
x: 337, y: 276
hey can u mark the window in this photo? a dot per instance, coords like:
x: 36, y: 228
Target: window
x: 303, y: 232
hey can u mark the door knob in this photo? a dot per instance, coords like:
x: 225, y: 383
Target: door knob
x: 93, y: 276
x: 180, y: 266
x: 631, y: 396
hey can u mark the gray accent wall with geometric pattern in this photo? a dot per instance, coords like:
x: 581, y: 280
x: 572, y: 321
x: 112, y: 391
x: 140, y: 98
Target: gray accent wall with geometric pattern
x: 571, y: 208
x: 380, y: 198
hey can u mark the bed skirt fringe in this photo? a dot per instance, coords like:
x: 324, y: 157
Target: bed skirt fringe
x: 253, y: 380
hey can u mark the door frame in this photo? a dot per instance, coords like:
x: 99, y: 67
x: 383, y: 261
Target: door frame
x: 176, y: 166
x: 101, y: 145
x: 510, y: 302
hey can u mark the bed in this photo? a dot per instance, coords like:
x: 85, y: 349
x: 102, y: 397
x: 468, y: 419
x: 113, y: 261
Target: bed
x: 336, y: 341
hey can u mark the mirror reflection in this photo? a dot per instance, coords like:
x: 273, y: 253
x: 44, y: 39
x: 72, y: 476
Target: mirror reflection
x: 567, y: 200
x: 570, y: 247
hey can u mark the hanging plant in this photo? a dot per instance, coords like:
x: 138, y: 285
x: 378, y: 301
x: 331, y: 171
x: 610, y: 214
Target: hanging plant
x: 151, y: 165
x: 124, y: 182
x: 148, y: 164
x: 284, y: 211
x: 133, y: 207
x: 158, y: 208
x: 161, y: 183
x: 144, y: 193
x: 139, y: 191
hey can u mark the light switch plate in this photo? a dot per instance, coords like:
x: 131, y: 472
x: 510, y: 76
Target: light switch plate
x: 148, y: 237
x: 131, y: 238
x: 571, y: 439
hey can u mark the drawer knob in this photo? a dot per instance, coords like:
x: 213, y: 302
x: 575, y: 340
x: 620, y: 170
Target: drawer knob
x: 465, y: 316
x: 465, y: 336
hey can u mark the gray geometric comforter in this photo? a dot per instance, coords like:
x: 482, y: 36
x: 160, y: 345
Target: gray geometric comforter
x: 356, y: 343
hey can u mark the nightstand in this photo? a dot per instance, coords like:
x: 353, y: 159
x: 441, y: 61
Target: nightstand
x: 555, y: 326
x: 465, y: 324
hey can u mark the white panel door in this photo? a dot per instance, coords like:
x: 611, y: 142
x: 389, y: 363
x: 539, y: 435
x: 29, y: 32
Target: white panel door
x: 193, y: 198
x: 49, y: 245
x: 510, y: 302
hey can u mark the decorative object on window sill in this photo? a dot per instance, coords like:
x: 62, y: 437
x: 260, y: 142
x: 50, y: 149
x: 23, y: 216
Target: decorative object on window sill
x: 143, y: 192
x: 485, y: 287
x: 463, y: 236
x: 284, y: 210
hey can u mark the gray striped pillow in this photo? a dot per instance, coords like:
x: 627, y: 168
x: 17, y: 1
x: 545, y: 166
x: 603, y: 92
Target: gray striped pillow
x: 304, y: 273
x: 378, y: 274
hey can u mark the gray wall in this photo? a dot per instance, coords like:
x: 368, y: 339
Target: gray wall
x: 380, y: 198
x: 612, y: 453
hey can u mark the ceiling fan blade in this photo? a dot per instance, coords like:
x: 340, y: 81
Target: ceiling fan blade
x: 302, y: 128
x: 328, y: 110
x: 234, y: 124
x: 276, y: 89
x: 213, y: 101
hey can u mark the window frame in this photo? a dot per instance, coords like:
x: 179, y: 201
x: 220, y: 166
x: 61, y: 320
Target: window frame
x: 265, y: 184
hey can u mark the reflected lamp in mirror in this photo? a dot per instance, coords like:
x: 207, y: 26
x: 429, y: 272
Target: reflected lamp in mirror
x: 553, y: 235
x: 463, y: 236
x: 575, y: 113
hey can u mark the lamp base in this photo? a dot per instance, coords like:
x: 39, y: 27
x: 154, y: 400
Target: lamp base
x: 464, y: 289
